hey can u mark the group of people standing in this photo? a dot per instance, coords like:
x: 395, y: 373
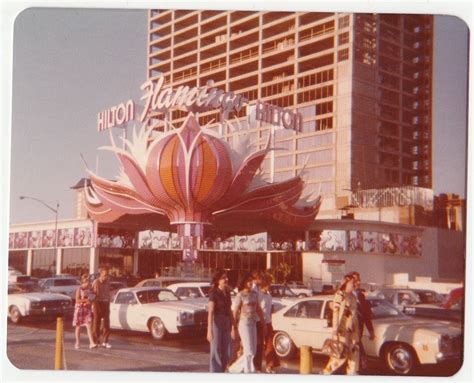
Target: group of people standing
x: 244, y: 326
x: 92, y: 310
x: 240, y: 333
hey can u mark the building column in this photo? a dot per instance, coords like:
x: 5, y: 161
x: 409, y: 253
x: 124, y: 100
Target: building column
x: 29, y: 262
x: 269, y: 260
x: 136, y: 254
x: 93, y: 261
x: 59, y: 260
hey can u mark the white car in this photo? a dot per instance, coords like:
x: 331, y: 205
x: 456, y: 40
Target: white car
x: 191, y: 289
x: 60, y: 285
x: 27, y: 300
x: 300, y: 289
x: 156, y: 310
x: 400, y: 340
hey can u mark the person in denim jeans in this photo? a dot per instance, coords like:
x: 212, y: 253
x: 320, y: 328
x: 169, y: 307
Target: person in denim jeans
x: 247, y: 310
x: 219, y: 323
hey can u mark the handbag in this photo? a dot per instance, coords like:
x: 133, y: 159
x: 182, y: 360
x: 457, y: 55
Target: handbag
x: 334, y: 348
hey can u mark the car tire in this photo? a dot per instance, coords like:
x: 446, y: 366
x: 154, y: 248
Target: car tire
x: 157, y: 329
x: 283, y: 345
x: 400, y: 358
x: 15, y: 314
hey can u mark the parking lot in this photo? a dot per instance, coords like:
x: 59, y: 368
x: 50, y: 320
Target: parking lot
x: 31, y: 345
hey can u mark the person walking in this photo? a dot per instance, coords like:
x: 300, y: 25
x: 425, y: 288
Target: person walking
x: 271, y: 358
x: 220, y: 326
x: 257, y: 277
x: 101, y: 308
x: 247, y: 310
x: 364, y: 314
x: 83, y: 312
x: 345, y: 328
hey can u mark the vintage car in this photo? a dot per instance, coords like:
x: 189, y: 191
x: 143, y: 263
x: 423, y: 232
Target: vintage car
x: 166, y: 281
x: 402, y: 297
x: 401, y: 341
x: 25, y: 299
x: 66, y: 285
x: 300, y: 289
x: 420, y: 302
x: 156, y: 310
x: 191, y: 289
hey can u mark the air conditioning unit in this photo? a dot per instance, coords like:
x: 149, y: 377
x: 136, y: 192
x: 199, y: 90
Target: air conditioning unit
x: 416, y: 45
x: 416, y: 90
x: 415, y: 120
x: 417, y: 29
x: 416, y: 135
x: 415, y: 150
x: 416, y: 75
x: 415, y: 165
x: 416, y: 105
x: 415, y: 60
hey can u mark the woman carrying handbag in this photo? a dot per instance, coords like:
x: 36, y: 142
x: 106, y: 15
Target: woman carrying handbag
x: 344, y: 346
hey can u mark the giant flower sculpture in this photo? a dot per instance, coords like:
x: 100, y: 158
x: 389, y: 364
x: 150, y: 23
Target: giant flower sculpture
x: 190, y: 176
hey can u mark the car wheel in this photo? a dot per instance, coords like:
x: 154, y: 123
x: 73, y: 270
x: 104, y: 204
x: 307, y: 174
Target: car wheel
x: 157, y: 329
x: 284, y: 346
x: 302, y: 295
x: 15, y: 315
x: 400, y: 358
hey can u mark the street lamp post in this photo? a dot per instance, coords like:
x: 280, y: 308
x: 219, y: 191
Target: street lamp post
x: 55, y: 211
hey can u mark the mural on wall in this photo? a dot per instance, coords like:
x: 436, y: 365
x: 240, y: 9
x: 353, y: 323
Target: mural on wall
x: 11, y: 241
x: 333, y: 240
x: 37, y: 239
x: 66, y: 237
x: 390, y: 243
x: 154, y: 239
x: 49, y: 238
x: 21, y: 240
x: 82, y: 236
x: 34, y: 240
x: 356, y: 240
x: 256, y: 242
x: 410, y: 245
x: 370, y: 242
x: 115, y: 239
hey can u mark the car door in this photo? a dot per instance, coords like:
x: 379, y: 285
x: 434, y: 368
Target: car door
x: 123, y: 312
x: 306, y: 326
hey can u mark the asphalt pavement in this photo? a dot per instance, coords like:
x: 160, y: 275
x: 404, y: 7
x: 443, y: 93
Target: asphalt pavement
x: 31, y: 345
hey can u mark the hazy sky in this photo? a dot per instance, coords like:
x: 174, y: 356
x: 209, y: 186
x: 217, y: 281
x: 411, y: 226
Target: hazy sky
x: 70, y: 64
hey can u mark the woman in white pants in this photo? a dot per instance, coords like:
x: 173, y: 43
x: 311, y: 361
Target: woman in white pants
x: 246, y: 311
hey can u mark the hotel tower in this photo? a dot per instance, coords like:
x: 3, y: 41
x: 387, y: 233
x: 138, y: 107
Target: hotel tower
x: 361, y: 82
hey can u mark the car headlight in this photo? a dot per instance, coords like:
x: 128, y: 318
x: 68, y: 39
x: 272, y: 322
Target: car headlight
x: 185, y: 317
x: 445, y: 344
x: 35, y: 305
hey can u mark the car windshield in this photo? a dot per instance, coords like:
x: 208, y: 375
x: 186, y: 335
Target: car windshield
x: 20, y: 288
x: 153, y: 296
x: 383, y: 309
x: 428, y: 297
x: 66, y: 282
x: 205, y: 290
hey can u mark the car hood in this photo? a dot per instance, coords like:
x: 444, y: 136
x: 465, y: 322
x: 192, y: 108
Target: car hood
x: 41, y: 297
x: 183, y: 305
x: 414, y: 324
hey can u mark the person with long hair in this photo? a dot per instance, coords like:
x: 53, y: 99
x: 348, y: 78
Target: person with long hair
x: 246, y: 311
x: 271, y: 358
x: 83, y: 311
x: 345, y: 328
x: 364, y: 316
x: 220, y: 328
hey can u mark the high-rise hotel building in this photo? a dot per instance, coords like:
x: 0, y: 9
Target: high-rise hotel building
x: 362, y: 82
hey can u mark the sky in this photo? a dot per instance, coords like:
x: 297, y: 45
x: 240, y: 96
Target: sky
x: 69, y: 64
